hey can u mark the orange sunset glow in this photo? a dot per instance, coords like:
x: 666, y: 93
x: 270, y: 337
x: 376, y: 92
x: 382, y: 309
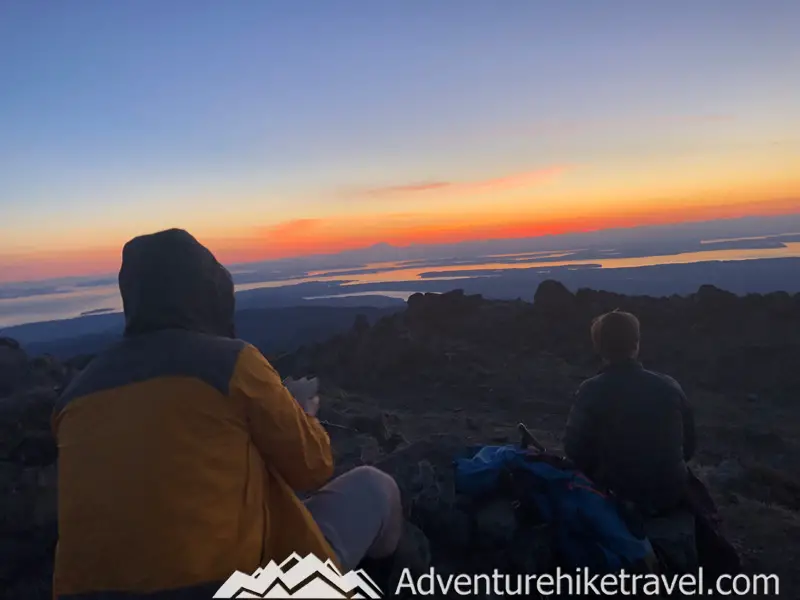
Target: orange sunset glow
x: 362, y: 134
x: 308, y: 236
x: 322, y: 236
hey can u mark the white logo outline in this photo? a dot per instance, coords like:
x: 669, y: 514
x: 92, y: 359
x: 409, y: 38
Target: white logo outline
x: 300, y: 577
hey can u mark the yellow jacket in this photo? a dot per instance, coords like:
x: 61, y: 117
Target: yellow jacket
x: 180, y: 452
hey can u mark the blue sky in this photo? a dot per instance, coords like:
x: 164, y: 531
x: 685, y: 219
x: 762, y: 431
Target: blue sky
x: 119, y: 117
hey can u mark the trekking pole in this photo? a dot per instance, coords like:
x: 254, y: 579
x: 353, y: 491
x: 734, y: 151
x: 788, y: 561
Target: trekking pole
x: 528, y: 439
x: 329, y: 424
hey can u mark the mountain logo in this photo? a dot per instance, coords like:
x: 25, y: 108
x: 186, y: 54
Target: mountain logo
x: 298, y: 577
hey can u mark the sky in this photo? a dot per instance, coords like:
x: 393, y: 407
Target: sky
x: 275, y: 128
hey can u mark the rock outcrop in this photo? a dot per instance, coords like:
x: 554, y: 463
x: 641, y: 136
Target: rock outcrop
x: 13, y: 365
x: 28, y: 479
x: 712, y: 340
x: 418, y: 388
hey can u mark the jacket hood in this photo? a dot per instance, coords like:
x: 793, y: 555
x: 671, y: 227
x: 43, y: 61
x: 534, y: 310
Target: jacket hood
x: 169, y: 280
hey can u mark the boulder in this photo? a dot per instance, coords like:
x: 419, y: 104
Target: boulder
x: 25, y: 430
x: 28, y: 476
x: 553, y: 297
x: 13, y: 365
x: 496, y: 523
x: 361, y: 324
x: 28, y: 519
x: 48, y: 371
x: 438, y: 314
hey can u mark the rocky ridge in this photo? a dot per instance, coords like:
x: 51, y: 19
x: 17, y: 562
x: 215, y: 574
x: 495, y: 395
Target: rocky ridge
x: 420, y: 387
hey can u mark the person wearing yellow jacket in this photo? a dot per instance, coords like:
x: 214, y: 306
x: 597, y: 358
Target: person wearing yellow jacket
x: 182, y: 453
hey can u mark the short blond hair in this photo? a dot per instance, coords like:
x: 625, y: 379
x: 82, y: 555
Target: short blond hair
x: 615, y: 335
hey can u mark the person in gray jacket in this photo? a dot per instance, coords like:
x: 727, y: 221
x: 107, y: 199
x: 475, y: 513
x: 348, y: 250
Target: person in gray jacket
x: 631, y: 429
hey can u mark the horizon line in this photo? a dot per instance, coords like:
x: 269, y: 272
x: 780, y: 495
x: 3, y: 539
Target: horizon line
x: 544, y: 236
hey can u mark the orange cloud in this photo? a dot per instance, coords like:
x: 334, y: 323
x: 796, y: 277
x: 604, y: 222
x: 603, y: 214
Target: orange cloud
x: 517, y: 181
x: 408, y: 188
x: 335, y: 234
x: 309, y: 236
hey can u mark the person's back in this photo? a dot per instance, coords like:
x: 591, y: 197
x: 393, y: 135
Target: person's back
x: 631, y: 428
x: 181, y: 451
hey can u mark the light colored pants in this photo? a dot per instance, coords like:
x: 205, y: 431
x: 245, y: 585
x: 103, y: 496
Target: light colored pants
x: 360, y: 514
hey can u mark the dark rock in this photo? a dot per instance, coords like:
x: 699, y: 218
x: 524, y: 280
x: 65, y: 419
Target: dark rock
x: 713, y: 296
x: 415, y: 300
x: 34, y: 581
x: 482, y: 350
x: 9, y: 343
x: 532, y: 549
x: 13, y: 365
x: 28, y: 476
x: 370, y: 451
x: 361, y: 325
x: 47, y: 370
x: 431, y: 482
x: 496, y: 523
x: 28, y: 517
x: 78, y: 363
x: 497, y: 362
x: 33, y: 448
x: 374, y: 425
x: 25, y: 435
x: 553, y: 297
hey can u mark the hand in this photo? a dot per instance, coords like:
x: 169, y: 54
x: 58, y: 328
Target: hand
x: 312, y: 406
x: 305, y: 391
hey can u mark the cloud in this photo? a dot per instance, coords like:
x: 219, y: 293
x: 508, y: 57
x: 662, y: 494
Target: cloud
x: 294, y: 228
x: 411, y: 187
x: 332, y: 234
x: 518, y: 180
x: 308, y: 236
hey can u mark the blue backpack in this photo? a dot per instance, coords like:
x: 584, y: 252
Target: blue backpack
x: 589, y: 529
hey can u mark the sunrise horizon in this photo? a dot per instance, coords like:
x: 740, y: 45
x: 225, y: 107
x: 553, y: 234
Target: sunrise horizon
x: 106, y: 261
x: 270, y: 133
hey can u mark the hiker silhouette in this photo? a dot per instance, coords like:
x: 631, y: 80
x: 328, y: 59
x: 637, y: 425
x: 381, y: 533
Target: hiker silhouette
x: 181, y: 451
x: 632, y: 431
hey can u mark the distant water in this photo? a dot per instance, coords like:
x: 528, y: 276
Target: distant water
x: 388, y: 293
x: 73, y: 301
